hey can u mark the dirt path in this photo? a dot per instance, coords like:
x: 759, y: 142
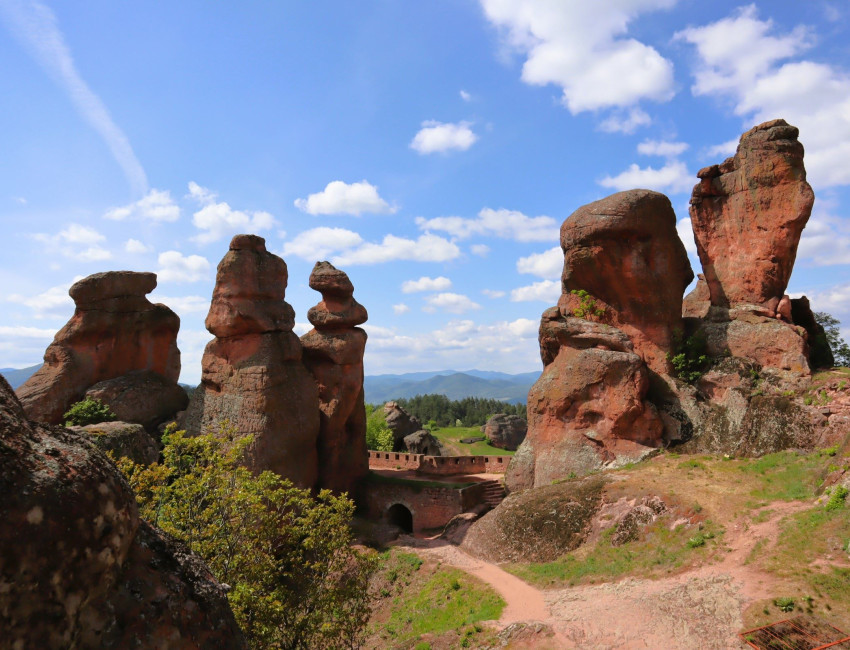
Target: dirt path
x: 700, y: 608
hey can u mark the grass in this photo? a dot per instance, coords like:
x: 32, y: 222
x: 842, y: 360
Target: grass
x: 451, y: 438
x: 413, y: 483
x: 783, y: 476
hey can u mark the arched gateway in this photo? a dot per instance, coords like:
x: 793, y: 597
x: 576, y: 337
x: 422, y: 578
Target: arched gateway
x: 400, y: 516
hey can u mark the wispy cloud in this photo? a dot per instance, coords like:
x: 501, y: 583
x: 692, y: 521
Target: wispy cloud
x: 35, y: 25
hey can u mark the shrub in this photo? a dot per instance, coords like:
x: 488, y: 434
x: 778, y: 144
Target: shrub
x: 88, y: 411
x: 379, y: 437
x: 587, y: 307
x: 784, y: 604
x: 295, y: 580
x: 837, y: 497
x: 690, y: 360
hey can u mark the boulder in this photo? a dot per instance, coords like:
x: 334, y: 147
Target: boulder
x: 401, y: 423
x: 115, y: 330
x: 625, y: 252
x: 253, y: 379
x: 748, y: 214
x: 78, y: 566
x: 820, y: 353
x: 698, y: 302
x: 506, y: 431
x: 142, y: 396
x: 422, y: 442
x: 333, y: 353
x: 123, y: 439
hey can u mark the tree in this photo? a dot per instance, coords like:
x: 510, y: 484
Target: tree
x: 379, y: 437
x: 88, y: 411
x: 296, y: 582
x: 839, y: 347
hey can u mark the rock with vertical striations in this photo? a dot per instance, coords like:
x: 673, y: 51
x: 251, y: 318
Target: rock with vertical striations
x: 253, y: 377
x: 333, y: 352
x: 115, y: 330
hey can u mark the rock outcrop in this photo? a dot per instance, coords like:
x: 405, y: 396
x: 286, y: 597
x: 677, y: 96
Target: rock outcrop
x: 333, y: 353
x: 625, y: 252
x: 401, y: 423
x: 506, y: 431
x: 115, y: 330
x: 79, y: 568
x: 252, y: 374
x: 141, y: 396
x: 748, y: 214
x: 123, y: 439
x: 423, y: 442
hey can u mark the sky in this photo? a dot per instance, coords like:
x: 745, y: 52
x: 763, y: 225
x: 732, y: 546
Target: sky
x: 429, y: 149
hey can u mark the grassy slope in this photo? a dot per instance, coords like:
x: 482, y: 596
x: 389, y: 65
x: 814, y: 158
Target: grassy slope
x: 451, y: 439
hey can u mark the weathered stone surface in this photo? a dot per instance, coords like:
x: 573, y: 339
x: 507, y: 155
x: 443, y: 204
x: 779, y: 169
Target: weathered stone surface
x: 252, y: 373
x: 115, y: 329
x: 422, y: 442
x: 820, y: 354
x: 333, y: 353
x: 123, y: 439
x: 624, y: 250
x: 72, y: 549
x: 141, y: 396
x: 698, y: 302
x: 401, y: 423
x: 506, y: 431
x: 748, y: 213
x: 557, y: 331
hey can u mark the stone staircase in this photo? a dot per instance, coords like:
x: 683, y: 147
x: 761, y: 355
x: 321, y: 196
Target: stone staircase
x: 494, y: 492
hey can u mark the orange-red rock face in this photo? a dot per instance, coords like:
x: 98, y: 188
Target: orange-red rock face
x: 333, y: 352
x: 115, y: 329
x: 252, y: 373
x: 625, y: 252
x: 748, y: 214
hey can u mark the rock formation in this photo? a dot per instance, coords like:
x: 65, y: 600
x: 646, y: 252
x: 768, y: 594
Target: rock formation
x: 616, y: 249
x: 141, y: 396
x: 748, y: 214
x: 78, y: 566
x: 506, y: 431
x: 333, y: 353
x: 252, y: 374
x: 123, y: 439
x: 115, y: 330
x: 401, y: 423
x: 423, y: 442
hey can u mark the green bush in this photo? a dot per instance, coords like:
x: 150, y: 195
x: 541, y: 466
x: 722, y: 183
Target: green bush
x: 379, y: 437
x: 690, y: 359
x: 587, y: 307
x: 837, y: 497
x: 88, y: 411
x: 296, y: 581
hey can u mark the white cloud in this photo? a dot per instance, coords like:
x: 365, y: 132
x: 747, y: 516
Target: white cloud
x: 136, y: 247
x: 439, y: 137
x: 583, y: 48
x: 826, y: 239
x: 35, y: 25
x: 493, y: 293
x: 465, y: 96
x: 343, y: 198
x: 54, y: 302
x: 672, y: 177
x: 426, y: 284
x: 686, y: 234
x: 548, y: 264
x: 834, y: 300
x: 507, y: 224
x: 77, y: 242
x: 321, y: 243
x: 524, y: 327
x: 218, y: 219
x: 741, y: 59
x: 453, y: 303
x: 20, y: 200
x: 302, y: 328
x: 427, y: 248
x: 174, y: 267
x: 545, y: 290
x: 28, y: 332
x: 479, y: 249
x: 401, y: 308
x: 156, y: 205
x: 192, y: 343
x: 625, y: 122
x: 662, y: 148
x: 183, y: 304
x: 723, y: 150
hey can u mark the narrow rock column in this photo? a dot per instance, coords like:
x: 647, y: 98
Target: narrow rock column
x: 333, y: 352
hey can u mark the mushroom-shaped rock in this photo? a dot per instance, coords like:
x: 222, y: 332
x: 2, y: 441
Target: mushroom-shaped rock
x: 253, y: 379
x: 506, y: 431
x: 115, y: 329
x: 625, y: 253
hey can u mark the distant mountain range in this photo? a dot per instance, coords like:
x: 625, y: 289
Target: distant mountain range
x: 383, y: 388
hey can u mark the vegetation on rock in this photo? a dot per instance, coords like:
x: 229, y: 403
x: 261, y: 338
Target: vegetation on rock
x: 840, y: 348
x: 587, y: 307
x: 88, y: 411
x: 689, y: 357
x: 379, y: 437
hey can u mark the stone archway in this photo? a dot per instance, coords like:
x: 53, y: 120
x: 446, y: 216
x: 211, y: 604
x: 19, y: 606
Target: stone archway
x: 399, y: 515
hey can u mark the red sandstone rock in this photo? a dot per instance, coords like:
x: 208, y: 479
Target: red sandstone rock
x: 252, y: 373
x: 624, y: 250
x: 78, y: 567
x: 748, y: 214
x: 115, y: 329
x: 333, y: 352
x: 141, y: 396
x: 401, y: 423
x: 506, y: 431
x: 697, y: 303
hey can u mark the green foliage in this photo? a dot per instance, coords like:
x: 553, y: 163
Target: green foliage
x: 295, y: 580
x: 784, y: 604
x: 471, y: 411
x: 689, y: 358
x: 840, y: 348
x: 837, y: 497
x: 587, y: 306
x: 379, y: 437
x: 88, y: 411
x: 450, y: 438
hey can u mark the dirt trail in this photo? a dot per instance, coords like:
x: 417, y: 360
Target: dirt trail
x: 700, y: 608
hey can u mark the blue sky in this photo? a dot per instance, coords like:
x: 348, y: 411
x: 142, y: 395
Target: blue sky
x: 429, y: 149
